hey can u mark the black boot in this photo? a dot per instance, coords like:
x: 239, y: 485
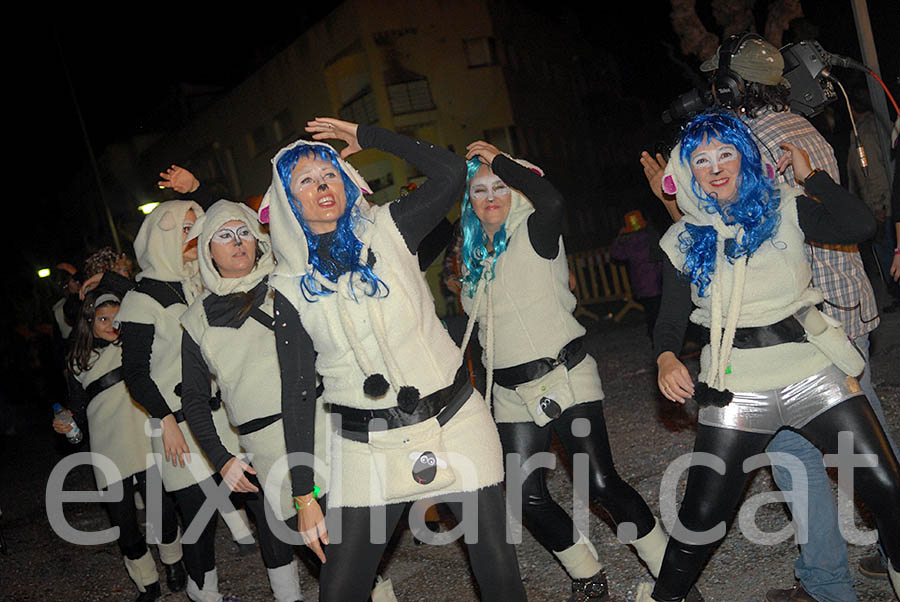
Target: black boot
x: 694, y: 595
x: 593, y: 589
x: 151, y: 592
x: 176, y: 576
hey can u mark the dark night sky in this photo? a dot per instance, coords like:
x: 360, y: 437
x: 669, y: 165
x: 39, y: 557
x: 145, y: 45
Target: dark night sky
x: 123, y: 66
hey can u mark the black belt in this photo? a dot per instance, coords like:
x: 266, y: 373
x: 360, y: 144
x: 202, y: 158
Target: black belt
x: 113, y: 377
x: 570, y: 355
x: 788, y: 330
x: 444, y: 404
x: 257, y: 424
x: 215, y: 402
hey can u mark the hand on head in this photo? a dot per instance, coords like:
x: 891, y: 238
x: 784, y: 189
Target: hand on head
x: 485, y: 151
x: 328, y: 128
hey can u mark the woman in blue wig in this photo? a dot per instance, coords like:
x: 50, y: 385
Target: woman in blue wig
x: 737, y: 267
x: 347, y: 282
x: 515, y: 284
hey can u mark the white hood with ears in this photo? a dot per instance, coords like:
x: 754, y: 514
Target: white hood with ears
x: 206, y: 226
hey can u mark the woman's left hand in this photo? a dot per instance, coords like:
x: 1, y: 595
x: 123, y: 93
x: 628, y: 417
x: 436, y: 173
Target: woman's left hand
x: 327, y: 128
x: 797, y: 158
x: 485, y: 151
x: 178, y: 179
x: 89, y: 285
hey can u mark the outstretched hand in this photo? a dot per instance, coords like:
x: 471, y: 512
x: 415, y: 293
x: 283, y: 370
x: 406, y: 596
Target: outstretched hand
x: 178, y: 179
x: 328, y: 128
x: 311, y: 524
x: 797, y: 158
x: 233, y: 474
x: 654, y: 168
x: 485, y: 151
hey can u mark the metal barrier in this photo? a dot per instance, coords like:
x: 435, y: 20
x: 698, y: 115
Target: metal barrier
x: 599, y: 280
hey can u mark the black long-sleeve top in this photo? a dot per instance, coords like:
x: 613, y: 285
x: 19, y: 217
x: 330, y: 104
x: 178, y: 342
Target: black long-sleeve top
x: 415, y: 215
x: 545, y: 224
x: 137, y: 344
x: 827, y: 214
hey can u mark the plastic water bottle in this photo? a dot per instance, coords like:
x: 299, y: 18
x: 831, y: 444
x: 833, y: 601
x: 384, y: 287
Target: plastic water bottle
x: 75, y: 435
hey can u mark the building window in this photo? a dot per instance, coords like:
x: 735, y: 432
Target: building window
x: 360, y: 108
x: 410, y: 96
x: 480, y: 52
x: 505, y: 139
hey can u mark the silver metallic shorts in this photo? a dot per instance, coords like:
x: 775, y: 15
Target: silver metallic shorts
x: 794, y: 406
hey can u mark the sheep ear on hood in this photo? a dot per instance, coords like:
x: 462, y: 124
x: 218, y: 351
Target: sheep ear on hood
x: 263, y: 211
x: 197, y: 229
x: 528, y: 165
x: 167, y: 222
x: 668, y: 184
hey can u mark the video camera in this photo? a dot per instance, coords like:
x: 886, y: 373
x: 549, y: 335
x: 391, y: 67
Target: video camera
x: 806, y: 67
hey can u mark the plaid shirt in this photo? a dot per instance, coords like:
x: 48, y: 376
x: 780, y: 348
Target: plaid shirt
x: 837, y: 270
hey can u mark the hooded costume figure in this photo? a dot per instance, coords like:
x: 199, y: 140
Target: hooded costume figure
x: 393, y: 336
x: 773, y: 360
x: 542, y: 377
x: 229, y: 336
x: 151, y: 337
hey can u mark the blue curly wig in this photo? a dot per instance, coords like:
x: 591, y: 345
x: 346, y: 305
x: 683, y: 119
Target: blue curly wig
x: 345, y: 246
x: 474, y: 240
x: 755, y: 210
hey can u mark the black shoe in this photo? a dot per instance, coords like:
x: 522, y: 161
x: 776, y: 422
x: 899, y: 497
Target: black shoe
x: 797, y: 593
x: 151, y: 592
x: 873, y: 567
x: 694, y: 595
x: 245, y: 549
x: 593, y: 589
x: 176, y: 576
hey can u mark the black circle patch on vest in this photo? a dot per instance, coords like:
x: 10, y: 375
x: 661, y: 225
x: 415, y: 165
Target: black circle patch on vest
x: 425, y: 468
x: 550, y: 408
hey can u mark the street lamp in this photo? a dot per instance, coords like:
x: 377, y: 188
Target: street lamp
x: 146, y: 208
x: 43, y: 272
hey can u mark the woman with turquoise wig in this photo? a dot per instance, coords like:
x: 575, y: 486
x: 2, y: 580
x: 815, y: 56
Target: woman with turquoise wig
x: 540, y: 377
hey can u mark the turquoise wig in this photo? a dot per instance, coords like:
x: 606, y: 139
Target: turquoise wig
x: 474, y: 239
x: 755, y: 209
x: 344, y: 246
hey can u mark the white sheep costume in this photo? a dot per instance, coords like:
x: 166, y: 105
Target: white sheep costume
x: 398, y: 336
x: 243, y: 360
x: 527, y: 313
x: 158, y: 248
x: 772, y: 285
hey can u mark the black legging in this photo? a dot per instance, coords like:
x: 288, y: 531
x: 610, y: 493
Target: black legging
x: 350, y: 566
x: 275, y: 552
x: 549, y: 523
x: 200, y: 556
x: 711, y: 498
x: 123, y: 514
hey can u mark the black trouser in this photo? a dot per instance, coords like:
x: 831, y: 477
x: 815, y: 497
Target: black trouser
x: 349, y: 571
x: 275, y: 552
x: 123, y: 514
x: 200, y: 556
x: 711, y: 498
x: 549, y: 523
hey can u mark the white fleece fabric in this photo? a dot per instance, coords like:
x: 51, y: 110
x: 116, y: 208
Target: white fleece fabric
x: 414, y: 350
x: 244, y: 361
x: 115, y: 422
x: 158, y: 249
x: 776, y: 284
x: 532, y: 314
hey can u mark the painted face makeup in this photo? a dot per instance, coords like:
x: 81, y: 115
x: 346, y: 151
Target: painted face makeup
x: 319, y: 188
x: 189, y: 249
x: 491, y: 199
x: 487, y: 187
x: 103, y: 323
x: 234, y: 234
x: 717, y: 168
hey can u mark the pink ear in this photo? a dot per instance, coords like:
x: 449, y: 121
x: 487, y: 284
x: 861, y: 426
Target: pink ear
x: 770, y: 171
x: 365, y: 190
x: 264, y: 215
x: 668, y: 185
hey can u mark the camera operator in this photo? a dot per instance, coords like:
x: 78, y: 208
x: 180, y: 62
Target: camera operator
x: 747, y: 78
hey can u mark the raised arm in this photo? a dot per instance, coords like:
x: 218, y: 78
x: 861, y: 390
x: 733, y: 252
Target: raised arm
x: 419, y: 212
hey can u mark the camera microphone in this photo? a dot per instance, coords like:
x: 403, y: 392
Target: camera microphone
x: 836, y: 60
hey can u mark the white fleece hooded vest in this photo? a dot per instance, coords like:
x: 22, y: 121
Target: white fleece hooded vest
x: 775, y: 285
x: 398, y: 336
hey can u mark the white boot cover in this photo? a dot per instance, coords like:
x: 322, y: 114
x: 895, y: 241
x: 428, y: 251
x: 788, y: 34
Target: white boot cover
x: 383, y: 590
x: 651, y: 548
x: 170, y: 553
x: 142, y: 570
x: 895, y: 579
x: 285, y: 582
x: 210, y: 591
x: 643, y: 593
x: 239, y: 526
x: 580, y: 560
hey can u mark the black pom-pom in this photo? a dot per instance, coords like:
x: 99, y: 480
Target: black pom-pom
x: 375, y: 385
x: 705, y: 395
x: 408, y: 398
